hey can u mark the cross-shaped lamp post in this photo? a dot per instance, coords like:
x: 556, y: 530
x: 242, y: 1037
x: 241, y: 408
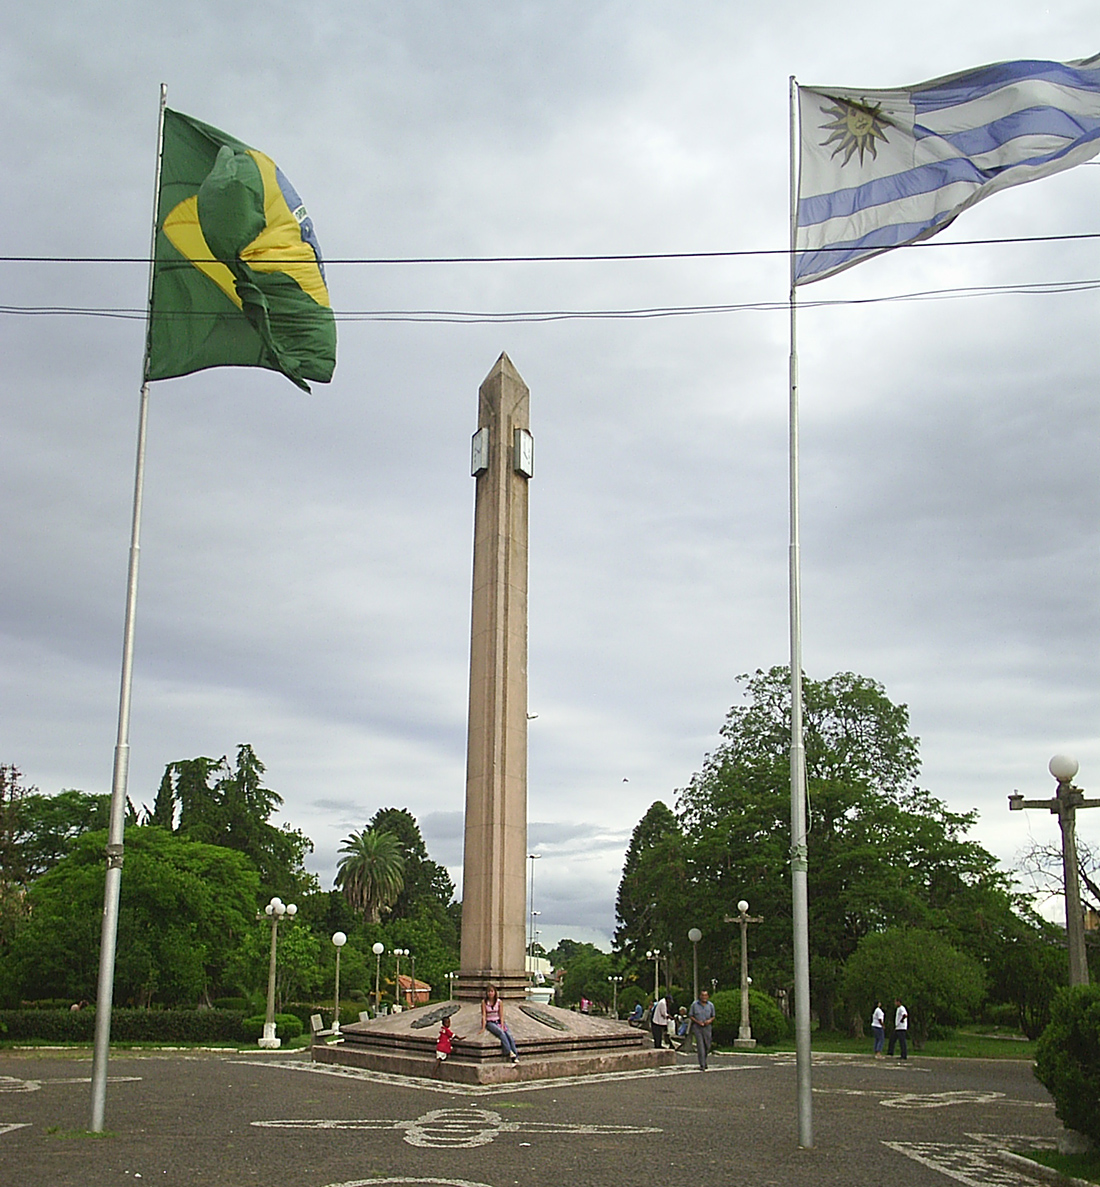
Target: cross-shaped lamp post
x: 1064, y: 805
x: 338, y: 940
x: 744, y: 1033
x: 654, y: 954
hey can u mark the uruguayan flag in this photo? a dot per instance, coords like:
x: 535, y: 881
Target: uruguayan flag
x: 883, y: 168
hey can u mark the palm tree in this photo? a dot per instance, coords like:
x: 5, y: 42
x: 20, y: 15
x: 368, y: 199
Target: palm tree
x: 372, y: 871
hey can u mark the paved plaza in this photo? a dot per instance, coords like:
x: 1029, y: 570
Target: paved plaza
x: 205, y: 1119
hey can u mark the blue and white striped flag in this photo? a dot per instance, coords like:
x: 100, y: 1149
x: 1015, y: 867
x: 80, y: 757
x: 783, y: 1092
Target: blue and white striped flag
x: 884, y: 168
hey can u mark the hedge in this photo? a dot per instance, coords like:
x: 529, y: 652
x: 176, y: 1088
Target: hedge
x: 287, y: 1026
x: 1067, y: 1058
x: 765, y: 1017
x: 127, y: 1026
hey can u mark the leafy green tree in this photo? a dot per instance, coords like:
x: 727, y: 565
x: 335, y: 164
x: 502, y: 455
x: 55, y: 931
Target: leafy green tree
x: 208, y: 800
x: 184, y: 908
x: 370, y: 872
x: 882, y: 851
x: 940, y: 986
x: 586, y: 972
x: 1067, y: 1061
x: 422, y: 879
x: 656, y: 892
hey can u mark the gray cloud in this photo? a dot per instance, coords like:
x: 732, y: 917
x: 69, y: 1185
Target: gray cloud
x: 306, y: 561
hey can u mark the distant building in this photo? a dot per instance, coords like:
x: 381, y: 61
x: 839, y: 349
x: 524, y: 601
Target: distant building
x: 411, y: 995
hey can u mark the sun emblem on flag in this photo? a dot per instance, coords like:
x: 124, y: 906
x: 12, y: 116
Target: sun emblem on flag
x: 855, y: 128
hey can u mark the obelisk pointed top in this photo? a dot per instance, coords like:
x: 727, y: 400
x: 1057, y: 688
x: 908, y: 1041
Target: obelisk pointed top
x: 504, y: 366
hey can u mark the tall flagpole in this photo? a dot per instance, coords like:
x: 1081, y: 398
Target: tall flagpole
x: 799, y: 863
x: 113, y: 886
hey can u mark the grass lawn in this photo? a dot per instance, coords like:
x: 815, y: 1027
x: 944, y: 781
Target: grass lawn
x: 1077, y: 1166
x: 964, y: 1044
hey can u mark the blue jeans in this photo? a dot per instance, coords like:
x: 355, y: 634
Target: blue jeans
x: 507, y: 1043
x: 880, y: 1037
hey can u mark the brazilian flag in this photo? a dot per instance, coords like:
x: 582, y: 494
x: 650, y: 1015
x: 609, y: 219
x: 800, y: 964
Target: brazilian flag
x: 237, y: 276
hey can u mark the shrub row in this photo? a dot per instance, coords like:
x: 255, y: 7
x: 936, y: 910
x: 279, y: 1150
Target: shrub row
x: 136, y: 1026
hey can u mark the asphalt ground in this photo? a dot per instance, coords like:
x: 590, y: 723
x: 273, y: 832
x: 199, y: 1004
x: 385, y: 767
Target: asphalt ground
x: 194, y: 1119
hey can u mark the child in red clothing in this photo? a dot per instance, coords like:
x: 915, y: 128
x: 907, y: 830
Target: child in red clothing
x: 444, y: 1043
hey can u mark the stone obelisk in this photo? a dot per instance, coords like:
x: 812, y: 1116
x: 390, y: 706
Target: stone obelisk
x: 494, y: 862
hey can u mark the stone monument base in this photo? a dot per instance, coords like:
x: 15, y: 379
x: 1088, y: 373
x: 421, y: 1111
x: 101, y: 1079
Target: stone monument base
x: 552, y: 1043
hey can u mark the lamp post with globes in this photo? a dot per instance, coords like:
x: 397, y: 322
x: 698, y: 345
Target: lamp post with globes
x: 1064, y: 805
x: 338, y: 940
x: 654, y: 954
x: 398, y: 952
x: 615, y: 983
x: 377, y: 948
x: 275, y: 910
x: 695, y: 935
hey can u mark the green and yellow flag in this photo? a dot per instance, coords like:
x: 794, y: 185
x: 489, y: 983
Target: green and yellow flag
x: 238, y: 279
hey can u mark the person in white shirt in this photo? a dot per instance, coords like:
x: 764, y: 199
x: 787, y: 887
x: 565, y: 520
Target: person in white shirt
x: 901, y: 1029
x: 878, y: 1029
x: 658, y: 1021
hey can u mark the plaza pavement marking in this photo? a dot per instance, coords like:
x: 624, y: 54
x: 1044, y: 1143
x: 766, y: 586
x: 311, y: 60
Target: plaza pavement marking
x: 12, y: 1084
x: 461, y: 1128
x: 936, y: 1100
x: 403, y: 1179
x: 976, y: 1166
x: 8, y: 1126
x: 430, y: 1085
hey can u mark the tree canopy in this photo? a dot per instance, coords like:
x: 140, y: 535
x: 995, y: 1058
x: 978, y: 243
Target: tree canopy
x: 883, y: 852
x: 371, y: 871
x: 210, y: 801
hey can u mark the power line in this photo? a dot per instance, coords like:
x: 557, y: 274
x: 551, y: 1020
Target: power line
x: 505, y: 317
x: 603, y: 257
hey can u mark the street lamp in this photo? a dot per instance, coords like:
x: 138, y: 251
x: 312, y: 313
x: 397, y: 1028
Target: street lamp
x: 451, y: 979
x: 398, y: 952
x: 275, y: 910
x: 412, y: 961
x: 695, y: 935
x: 1064, y: 805
x: 744, y: 1033
x: 339, y: 940
x: 615, y: 983
x: 654, y: 954
x: 377, y: 948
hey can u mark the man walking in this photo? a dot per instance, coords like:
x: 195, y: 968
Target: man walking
x: 901, y: 1029
x: 702, y: 1023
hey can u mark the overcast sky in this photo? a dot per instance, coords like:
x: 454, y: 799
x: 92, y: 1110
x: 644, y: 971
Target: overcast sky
x: 305, y: 562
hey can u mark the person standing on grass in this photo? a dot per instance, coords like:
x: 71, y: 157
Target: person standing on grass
x: 901, y: 1029
x: 878, y: 1029
x: 702, y: 1023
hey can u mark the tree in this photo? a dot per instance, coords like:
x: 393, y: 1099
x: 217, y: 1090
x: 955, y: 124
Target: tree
x: 422, y: 878
x: 209, y: 801
x: 939, y: 986
x: 184, y: 908
x: 654, y: 893
x: 882, y: 851
x: 370, y: 872
x: 586, y: 972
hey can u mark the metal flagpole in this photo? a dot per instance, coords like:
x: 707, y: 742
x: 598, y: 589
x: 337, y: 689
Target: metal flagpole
x: 799, y: 864
x: 113, y: 887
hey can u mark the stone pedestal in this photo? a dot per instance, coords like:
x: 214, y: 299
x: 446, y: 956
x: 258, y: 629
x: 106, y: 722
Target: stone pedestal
x: 552, y: 1043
